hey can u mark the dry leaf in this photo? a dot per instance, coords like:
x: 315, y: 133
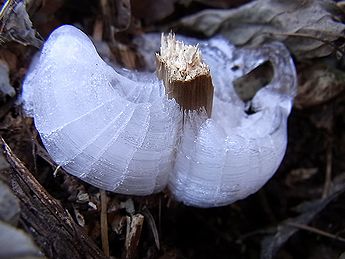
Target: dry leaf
x: 300, y: 175
x: 9, y: 58
x: 9, y: 205
x: 116, y: 15
x: 152, y: 10
x: 318, y: 83
x: 118, y: 223
x: 5, y: 87
x: 79, y: 217
x: 15, y: 243
x: 219, y: 3
x: 308, y: 28
x: 16, y: 24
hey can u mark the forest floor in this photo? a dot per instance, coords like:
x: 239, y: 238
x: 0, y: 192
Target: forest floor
x: 299, y: 213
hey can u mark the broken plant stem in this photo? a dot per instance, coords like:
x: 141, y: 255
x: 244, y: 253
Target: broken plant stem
x: 186, y: 77
x: 134, y: 227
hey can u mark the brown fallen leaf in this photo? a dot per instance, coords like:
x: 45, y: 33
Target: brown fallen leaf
x: 220, y: 3
x: 15, y: 243
x: 309, y: 28
x: 150, y: 11
x: 318, y: 83
x: 16, y: 24
x: 6, y: 88
x: 9, y: 58
x: 300, y: 175
x: 116, y: 16
x: 9, y: 205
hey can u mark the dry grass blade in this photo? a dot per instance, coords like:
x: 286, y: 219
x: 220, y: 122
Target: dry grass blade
x: 271, y: 244
x: 151, y: 222
x: 316, y: 231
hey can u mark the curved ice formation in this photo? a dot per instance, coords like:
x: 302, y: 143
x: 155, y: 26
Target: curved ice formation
x: 119, y: 132
x: 233, y: 154
x: 108, y: 130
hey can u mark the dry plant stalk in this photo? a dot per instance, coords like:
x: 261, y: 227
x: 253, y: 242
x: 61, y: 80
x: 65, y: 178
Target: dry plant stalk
x: 134, y: 228
x: 186, y: 77
x: 104, y: 223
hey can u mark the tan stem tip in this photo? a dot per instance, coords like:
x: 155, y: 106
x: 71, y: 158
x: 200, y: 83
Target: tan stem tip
x: 186, y: 77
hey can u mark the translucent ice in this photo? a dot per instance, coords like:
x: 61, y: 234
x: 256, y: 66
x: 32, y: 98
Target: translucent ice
x: 233, y: 154
x: 113, y: 132
x: 119, y: 132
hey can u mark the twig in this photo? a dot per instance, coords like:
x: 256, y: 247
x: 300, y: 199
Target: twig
x: 104, y: 223
x: 316, y: 231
